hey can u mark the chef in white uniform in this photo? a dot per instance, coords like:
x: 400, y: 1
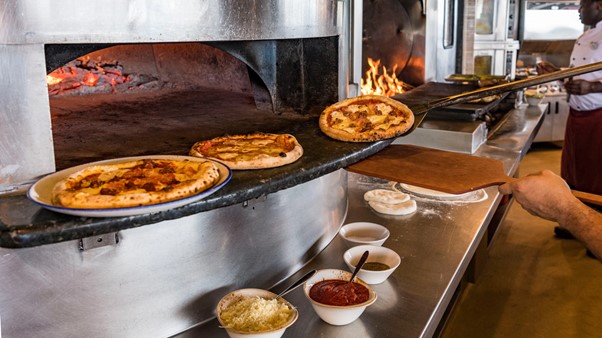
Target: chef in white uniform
x: 581, y: 157
x: 581, y: 163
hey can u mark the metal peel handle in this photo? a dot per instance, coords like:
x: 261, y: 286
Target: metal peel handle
x: 359, y: 265
x: 297, y: 283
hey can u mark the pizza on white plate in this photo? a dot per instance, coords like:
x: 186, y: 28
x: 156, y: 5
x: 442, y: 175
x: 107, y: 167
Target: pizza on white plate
x: 134, y: 183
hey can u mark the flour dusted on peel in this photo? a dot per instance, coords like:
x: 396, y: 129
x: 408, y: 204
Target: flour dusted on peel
x: 255, y: 314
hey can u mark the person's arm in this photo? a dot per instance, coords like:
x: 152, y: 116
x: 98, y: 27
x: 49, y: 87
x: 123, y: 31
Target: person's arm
x: 547, y: 195
x: 573, y: 87
x: 545, y: 67
x: 582, y: 87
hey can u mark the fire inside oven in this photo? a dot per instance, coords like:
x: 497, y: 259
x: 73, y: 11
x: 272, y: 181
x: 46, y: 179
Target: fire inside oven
x: 139, y: 99
x: 394, y: 62
x: 392, y: 47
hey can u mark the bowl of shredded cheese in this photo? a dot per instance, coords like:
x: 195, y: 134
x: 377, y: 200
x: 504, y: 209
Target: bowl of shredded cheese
x: 250, y: 313
x: 533, y: 97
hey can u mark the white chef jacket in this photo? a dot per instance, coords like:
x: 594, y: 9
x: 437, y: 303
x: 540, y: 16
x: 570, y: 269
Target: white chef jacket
x: 587, y: 49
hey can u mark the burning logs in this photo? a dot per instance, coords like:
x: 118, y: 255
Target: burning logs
x: 85, y: 76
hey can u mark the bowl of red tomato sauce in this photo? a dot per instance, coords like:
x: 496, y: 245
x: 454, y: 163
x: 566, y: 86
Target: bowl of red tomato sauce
x: 335, y: 299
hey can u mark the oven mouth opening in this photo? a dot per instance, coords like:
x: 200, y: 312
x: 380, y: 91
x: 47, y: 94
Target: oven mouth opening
x: 144, y: 99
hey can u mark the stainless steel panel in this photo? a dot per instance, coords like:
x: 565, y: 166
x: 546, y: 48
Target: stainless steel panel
x: 355, y: 47
x: 163, y: 278
x: 26, y: 149
x: 554, y: 125
x: 459, y: 136
x: 440, y: 60
x: 72, y: 21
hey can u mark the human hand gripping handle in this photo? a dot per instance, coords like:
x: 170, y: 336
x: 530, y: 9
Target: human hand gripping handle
x: 543, y: 194
x: 547, y: 195
x: 550, y: 183
x: 582, y: 87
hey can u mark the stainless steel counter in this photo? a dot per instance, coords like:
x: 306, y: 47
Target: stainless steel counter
x: 436, y: 244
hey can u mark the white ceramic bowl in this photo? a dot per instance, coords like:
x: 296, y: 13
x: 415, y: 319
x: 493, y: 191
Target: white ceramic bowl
x: 337, y: 315
x: 533, y: 100
x: 377, y: 254
x: 274, y: 333
x: 533, y: 97
x: 359, y: 233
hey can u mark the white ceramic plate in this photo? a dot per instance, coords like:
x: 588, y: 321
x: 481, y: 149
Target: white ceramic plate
x: 41, y: 191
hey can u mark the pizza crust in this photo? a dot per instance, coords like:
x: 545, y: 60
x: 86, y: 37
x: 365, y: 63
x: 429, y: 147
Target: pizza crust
x: 366, y: 118
x: 250, y: 151
x: 189, y: 178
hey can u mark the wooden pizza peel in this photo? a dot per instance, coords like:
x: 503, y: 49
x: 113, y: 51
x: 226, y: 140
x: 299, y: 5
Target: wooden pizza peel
x: 440, y: 170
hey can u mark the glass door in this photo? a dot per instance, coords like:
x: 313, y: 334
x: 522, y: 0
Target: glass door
x: 492, y: 20
x: 484, y: 17
x: 483, y: 62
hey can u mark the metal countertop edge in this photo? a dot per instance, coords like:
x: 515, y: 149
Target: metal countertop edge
x: 511, y: 166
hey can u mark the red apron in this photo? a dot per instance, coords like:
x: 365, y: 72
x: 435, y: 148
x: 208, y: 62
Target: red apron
x: 581, y: 164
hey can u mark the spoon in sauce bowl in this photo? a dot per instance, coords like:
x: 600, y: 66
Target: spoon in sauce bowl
x: 359, y: 265
x: 297, y: 283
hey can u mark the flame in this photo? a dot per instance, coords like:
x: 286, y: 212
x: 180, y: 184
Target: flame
x: 383, y: 84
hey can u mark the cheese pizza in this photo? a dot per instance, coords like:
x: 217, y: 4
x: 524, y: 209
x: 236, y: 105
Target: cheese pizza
x: 250, y: 151
x: 134, y: 183
x: 366, y: 119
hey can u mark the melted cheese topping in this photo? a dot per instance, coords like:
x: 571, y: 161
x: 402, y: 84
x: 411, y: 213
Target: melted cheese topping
x: 248, y: 148
x: 364, y: 117
x: 140, y: 177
